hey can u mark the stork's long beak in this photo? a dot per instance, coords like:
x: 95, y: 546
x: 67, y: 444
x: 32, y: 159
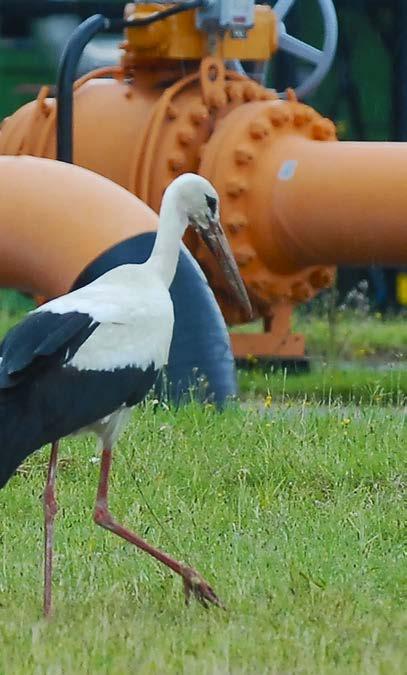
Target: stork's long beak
x: 216, y: 241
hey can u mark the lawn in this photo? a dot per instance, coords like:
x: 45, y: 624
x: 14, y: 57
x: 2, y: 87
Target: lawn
x: 324, y: 384
x: 354, y: 336
x: 351, y: 336
x: 295, y: 513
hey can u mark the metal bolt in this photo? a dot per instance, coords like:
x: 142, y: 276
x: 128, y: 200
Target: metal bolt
x: 234, y: 188
x: 323, y: 129
x: 320, y: 278
x: 198, y: 114
x: 234, y: 91
x: 172, y: 112
x: 278, y: 117
x: 243, y: 255
x: 185, y: 136
x: 249, y: 91
x: 243, y: 155
x: 217, y: 99
x: 236, y: 223
x: 299, y: 118
x: 269, y: 95
x: 176, y: 162
x: 301, y: 291
x: 259, y: 129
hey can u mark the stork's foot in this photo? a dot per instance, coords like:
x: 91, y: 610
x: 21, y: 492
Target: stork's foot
x: 196, y: 584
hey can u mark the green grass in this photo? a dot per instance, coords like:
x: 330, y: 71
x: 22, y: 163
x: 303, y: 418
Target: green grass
x: 13, y: 305
x: 295, y: 514
x: 357, y: 385
x: 355, y: 336
x: 360, y: 358
x: 351, y: 337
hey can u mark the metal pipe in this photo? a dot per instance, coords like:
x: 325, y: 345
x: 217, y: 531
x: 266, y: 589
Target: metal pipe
x: 73, y: 50
x: 63, y: 226
x: 339, y: 203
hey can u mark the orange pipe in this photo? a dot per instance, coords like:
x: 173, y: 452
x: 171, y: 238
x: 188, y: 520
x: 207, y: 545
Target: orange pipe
x: 344, y: 204
x: 56, y: 218
x: 106, y: 112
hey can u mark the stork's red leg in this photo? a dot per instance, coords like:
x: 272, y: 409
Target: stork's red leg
x: 193, y: 582
x: 50, y: 509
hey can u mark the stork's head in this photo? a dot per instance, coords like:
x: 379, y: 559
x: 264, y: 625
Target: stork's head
x: 198, y: 200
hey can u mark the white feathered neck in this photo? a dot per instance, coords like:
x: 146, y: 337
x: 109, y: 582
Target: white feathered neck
x: 172, y: 225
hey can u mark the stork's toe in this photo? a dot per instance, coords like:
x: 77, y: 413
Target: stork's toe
x: 196, y: 584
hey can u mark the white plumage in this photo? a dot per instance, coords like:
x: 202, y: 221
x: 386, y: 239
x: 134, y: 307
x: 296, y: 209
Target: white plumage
x: 135, y: 314
x: 81, y: 361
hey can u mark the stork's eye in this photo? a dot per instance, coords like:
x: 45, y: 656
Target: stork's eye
x: 212, y: 203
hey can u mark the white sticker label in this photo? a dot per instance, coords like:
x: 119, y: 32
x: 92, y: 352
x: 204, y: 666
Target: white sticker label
x: 287, y: 169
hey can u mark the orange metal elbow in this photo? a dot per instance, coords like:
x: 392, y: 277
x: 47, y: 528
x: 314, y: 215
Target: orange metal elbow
x: 56, y: 219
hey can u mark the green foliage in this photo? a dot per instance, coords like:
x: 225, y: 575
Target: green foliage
x: 295, y: 514
x: 359, y: 338
x: 12, y: 306
x: 356, y: 337
x: 352, y: 385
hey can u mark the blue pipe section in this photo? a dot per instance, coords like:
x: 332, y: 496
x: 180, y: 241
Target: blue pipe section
x: 201, y: 362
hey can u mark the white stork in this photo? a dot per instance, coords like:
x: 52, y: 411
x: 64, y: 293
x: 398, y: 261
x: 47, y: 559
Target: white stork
x: 80, y: 362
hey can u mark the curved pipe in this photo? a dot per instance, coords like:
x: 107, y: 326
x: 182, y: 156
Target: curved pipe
x: 62, y: 226
x: 71, y: 55
x: 66, y: 75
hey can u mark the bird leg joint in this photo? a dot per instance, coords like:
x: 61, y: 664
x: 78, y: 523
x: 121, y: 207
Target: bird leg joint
x: 102, y: 517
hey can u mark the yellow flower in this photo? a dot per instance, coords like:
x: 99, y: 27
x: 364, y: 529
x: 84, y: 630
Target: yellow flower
x: 268, y: 401
x: 360, y: 352
x: 345, y: 421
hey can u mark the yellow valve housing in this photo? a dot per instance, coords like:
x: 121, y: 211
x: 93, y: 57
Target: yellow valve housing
x: 178, y: 38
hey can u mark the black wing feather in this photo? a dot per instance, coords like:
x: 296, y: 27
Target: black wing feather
x: 43, y: 398
x: 40, y: 340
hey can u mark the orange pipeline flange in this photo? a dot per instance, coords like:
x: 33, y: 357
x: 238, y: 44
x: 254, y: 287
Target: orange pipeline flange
x: 240, y: 159
x: 294, y: 201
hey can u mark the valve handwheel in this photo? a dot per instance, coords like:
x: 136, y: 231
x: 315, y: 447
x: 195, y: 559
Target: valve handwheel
x: 320, y: 58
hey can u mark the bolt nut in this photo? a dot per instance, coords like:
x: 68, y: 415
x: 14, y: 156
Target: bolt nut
x: 176, y: 162
x: 323, y: 130
x: 244, y: 255
x: 234, y: 188
x: 320, y: 278
x: 217, y: 99
x: 279, y: 116
x: 198, y: 114
x: 172, y: 112
x: 259, y: 129
x: 236, y: 223
x: 243, y: 155
x: 269, y: 95
x: 308, y: 112
x: 185, y: 136
x: 250, y: 91
x: 300, y: 291
x: 262, y: 284
x: 300, y: 118
x: 234, y: 91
